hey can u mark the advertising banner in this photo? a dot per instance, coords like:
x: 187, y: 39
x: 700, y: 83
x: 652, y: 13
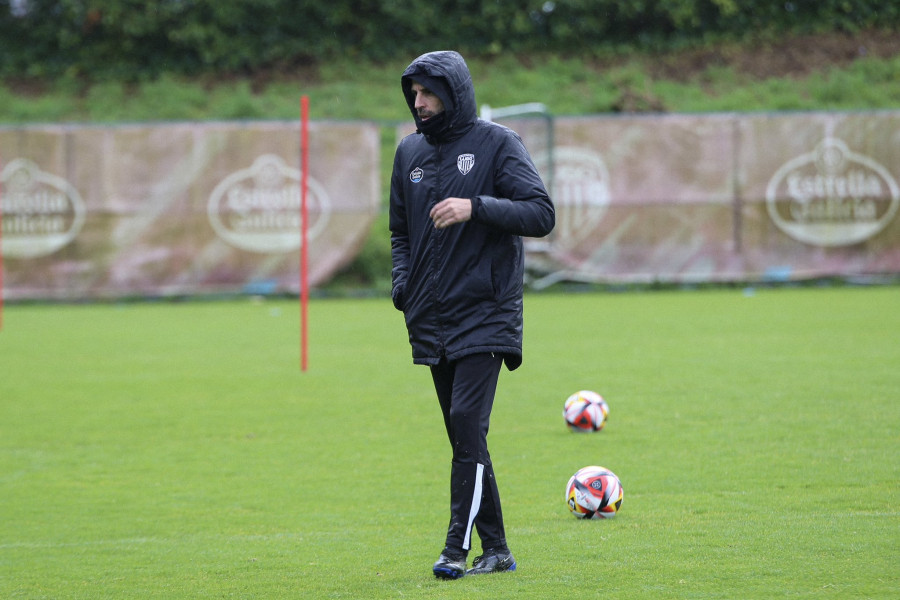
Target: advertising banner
x: 819, y: 194
x: 182, y: 208
x: 208, y: 208
x: 691, y: 198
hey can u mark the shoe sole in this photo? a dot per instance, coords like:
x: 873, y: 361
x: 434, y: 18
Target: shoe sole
x: 448, y: 574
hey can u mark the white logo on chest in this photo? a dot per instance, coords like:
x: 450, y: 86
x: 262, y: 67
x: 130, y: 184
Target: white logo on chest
x: 465, y: 162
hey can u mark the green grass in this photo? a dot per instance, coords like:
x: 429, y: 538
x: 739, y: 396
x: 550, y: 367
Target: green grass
x: 176, y: 450
x: 358, y: 90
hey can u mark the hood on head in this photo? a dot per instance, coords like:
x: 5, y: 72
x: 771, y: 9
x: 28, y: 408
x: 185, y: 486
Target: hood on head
x: 446, y: 74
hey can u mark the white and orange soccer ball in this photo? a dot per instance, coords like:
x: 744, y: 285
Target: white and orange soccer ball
x: 585, y: 411
x: 594, y: 493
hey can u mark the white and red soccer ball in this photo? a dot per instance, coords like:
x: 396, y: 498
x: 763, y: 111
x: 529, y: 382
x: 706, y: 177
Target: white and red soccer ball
x: 594, y: 493
x: 585, y: 411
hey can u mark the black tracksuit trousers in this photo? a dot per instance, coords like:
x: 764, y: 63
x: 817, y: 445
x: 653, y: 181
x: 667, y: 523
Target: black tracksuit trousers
x: 465, y: 389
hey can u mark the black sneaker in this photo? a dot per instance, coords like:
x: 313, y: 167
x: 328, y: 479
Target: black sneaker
x: 493, y: 561
x: 450, y: 566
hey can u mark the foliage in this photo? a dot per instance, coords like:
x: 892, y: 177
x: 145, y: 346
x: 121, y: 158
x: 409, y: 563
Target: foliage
x: 371, y: 91
x: 138, y: 39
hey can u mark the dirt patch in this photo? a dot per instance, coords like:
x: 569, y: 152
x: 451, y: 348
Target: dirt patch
x: 795, y: 56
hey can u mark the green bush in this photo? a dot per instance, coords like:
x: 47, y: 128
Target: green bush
x: 137, y: 39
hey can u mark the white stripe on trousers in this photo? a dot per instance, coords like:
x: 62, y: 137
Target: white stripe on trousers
x: 476, y: 505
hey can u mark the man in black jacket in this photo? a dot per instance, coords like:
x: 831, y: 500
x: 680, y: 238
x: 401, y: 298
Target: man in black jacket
x: 463, y: 192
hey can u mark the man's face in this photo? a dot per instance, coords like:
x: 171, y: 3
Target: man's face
x: 427, y: 104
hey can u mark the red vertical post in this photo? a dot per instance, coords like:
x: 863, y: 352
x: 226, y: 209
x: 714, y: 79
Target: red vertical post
x: 1, y: 248
x: 304, y: 221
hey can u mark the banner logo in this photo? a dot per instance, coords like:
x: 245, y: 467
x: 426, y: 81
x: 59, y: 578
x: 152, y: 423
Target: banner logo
x: 465, y: 162
x: 41, y: 212
x: 832, y: 196
x: 258, y: 209
x: 580, y: 191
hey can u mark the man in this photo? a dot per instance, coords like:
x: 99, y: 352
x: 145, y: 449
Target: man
x: 463, y: 191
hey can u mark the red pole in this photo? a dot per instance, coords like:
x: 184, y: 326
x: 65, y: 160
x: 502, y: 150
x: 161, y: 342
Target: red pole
x: 1, y: 248
x: 304, y: 213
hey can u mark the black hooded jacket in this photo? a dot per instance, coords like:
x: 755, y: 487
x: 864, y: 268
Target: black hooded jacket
x: 460, y: 288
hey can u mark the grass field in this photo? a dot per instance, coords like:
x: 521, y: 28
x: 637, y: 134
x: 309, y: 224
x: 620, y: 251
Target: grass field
x: 176, y: 450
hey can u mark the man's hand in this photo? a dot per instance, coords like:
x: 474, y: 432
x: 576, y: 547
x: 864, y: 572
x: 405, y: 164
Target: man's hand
x: 451, y: 211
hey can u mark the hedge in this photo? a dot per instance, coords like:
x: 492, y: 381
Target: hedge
x: 138, y: 38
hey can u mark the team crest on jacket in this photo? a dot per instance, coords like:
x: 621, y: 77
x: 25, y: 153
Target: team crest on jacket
x: 465, y: 162
x: 416, y: 175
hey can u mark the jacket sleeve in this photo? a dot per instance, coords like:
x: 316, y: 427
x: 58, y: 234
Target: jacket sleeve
x: 399, y: 236
x: 522, y: 205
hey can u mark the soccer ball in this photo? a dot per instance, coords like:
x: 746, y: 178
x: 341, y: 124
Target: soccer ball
x: 585, y: 411
x: 594, y: 493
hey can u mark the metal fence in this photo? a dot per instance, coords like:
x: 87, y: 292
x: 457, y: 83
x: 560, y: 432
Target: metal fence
x: 199, y: 208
